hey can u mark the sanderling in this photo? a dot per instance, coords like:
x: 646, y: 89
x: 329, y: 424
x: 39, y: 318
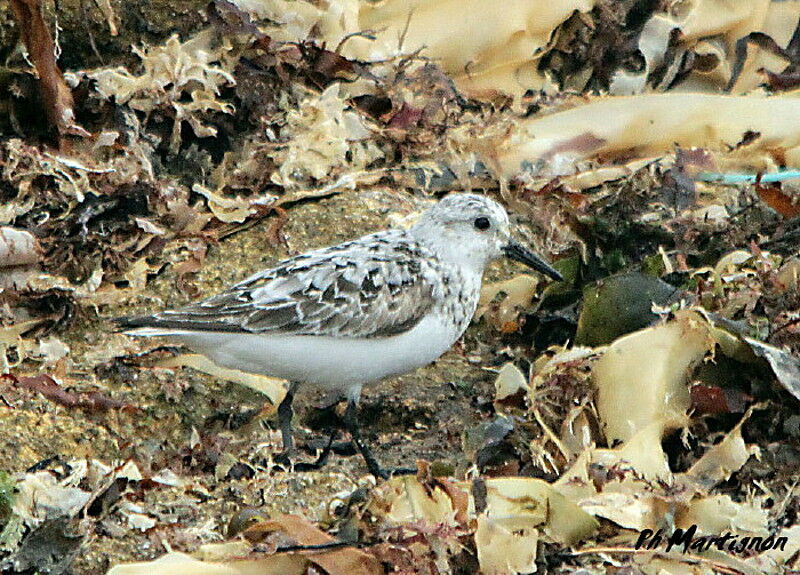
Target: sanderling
x: 344, y: 316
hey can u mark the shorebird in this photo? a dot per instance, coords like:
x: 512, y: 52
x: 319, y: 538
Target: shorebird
x: 344, y: 316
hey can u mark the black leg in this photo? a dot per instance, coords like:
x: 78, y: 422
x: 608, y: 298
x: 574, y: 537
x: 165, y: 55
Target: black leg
x: 351, y: 422
x: 285, y: 414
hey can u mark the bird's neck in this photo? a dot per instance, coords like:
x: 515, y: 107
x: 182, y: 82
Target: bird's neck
x: 462, y: 274
x: 461, y: 292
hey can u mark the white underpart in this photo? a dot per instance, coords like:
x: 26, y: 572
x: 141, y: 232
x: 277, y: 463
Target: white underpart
x: 337, y: 364
x: 342, y: 356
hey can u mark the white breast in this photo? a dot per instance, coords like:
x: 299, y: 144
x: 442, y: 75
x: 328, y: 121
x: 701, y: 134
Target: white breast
x: 334, y: 363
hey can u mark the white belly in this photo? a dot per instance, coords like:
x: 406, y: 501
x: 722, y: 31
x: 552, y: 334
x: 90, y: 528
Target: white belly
x: 334, y: 363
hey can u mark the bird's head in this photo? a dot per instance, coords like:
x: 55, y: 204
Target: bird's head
x: 473, y: 230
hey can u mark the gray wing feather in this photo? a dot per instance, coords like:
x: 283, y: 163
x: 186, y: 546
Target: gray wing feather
x: 377, y: 286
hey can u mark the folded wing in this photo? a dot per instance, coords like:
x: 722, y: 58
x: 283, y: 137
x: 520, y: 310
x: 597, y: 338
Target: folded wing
x: 373, y: 287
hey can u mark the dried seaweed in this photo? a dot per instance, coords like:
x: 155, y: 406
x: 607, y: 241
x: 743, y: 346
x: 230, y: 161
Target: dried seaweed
x: 92, y: 401
x: 57, y: 97
x: 181, y: 79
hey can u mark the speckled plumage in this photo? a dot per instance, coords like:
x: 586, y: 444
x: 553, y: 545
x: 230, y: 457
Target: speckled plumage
x: 377, y: 286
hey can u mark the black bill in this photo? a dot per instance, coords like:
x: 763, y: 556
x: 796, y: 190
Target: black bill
x: 522, y: 254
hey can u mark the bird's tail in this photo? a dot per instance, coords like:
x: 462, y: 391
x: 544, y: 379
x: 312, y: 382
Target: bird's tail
x: 142, y: 325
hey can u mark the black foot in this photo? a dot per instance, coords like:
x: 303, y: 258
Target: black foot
x: 284, y: 460
x: 386, y: 473
x: 284, y: 463
x: 375, y: 468
x: 345, y: 448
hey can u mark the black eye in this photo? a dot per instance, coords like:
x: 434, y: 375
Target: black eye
x: 482, y: 223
